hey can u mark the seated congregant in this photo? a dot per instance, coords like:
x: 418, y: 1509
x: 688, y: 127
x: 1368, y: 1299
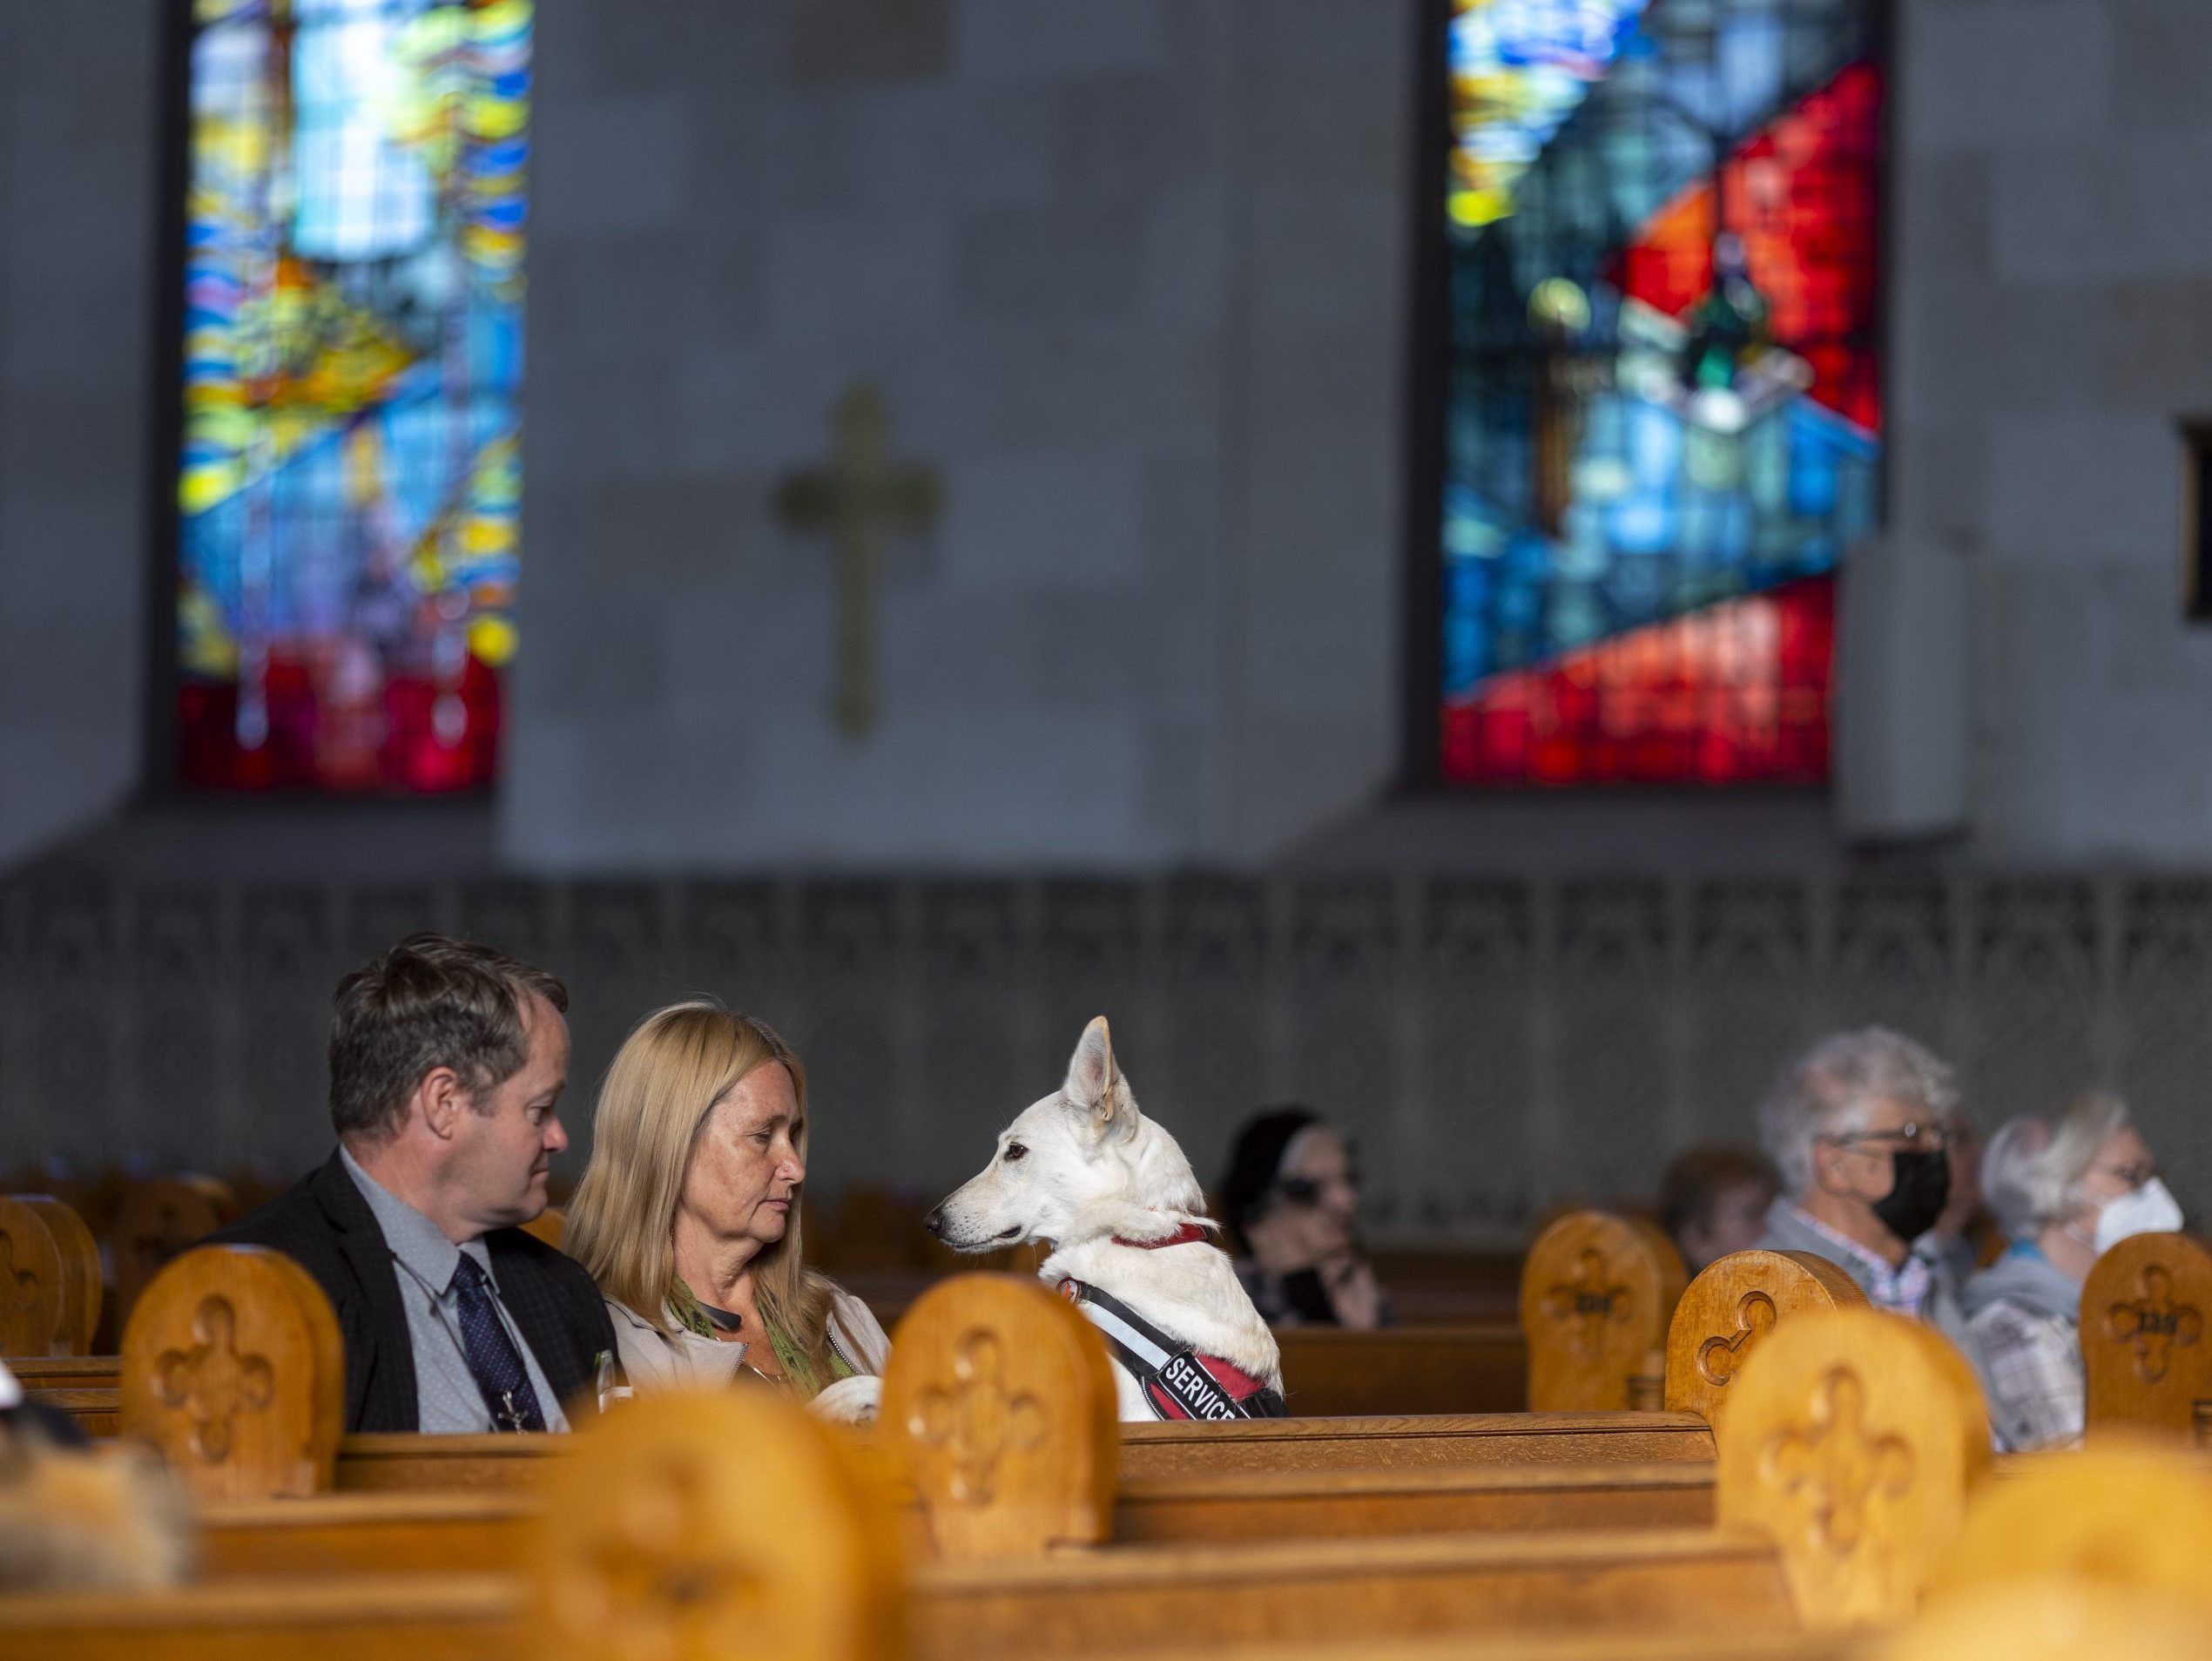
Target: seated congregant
x: 2066, y: 1190
x: 446, y: 1062
x: 688, y: 1217
x: 1860, y: 1127
x: 1292, y: 1201
x: 1714, y: 1201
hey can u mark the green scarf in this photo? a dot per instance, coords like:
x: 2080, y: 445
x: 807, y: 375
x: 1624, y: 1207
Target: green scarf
x: 684, y: 1304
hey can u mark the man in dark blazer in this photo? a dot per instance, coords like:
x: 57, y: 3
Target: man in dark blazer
x: 447, y: 1063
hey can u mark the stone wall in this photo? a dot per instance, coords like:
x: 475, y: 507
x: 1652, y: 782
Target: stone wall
x: 80, y: 146
x: 1131, y: 278
x: 2051, y: 325
x: 1495, y: 1045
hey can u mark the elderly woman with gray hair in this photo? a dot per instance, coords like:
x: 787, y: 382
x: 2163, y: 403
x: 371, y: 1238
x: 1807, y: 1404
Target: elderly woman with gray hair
x: 1861, y: 1127
x: 2066, y: 1190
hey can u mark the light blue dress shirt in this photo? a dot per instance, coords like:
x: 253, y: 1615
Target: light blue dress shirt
x: 448, y: 1402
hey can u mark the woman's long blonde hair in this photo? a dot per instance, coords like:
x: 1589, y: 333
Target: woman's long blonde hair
x: 676, y: 1064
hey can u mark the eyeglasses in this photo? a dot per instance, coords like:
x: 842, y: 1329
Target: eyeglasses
x: 1929, y: 1138
x: 1304, y: 1190
x: 2133, y: 1175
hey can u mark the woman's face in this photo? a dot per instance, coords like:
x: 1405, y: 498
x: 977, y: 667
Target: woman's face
x: 744, y: 1178
x: 1323, y: 1170
x: 2122, y: 1165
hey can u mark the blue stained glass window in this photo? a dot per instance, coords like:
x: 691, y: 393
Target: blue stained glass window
x: 349, y: 487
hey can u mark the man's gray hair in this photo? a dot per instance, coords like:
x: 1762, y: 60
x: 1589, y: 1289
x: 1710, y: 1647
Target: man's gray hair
x: 2032, y: 1170
x: 1828, y: 1090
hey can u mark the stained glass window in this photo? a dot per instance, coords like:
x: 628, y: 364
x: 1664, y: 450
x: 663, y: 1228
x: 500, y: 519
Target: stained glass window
x: 1663, y: 408
x: 349, y: 482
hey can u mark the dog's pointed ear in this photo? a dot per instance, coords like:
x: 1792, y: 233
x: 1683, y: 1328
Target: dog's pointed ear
x: 1095, y: 1088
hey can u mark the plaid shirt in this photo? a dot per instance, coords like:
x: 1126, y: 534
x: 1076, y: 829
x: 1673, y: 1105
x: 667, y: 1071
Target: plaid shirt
x: 2032, y: 1368
x: 1903, y: 1290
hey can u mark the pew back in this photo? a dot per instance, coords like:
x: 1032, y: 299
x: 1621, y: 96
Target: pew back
x: 2146, y: 1355
x: 50, y: 1278
x: 161, y: 1218
x: 1730, y: 1308
x: 712, y: 1523
x: 1596, y: 1294
x: 998, y: 1407
x: 1851, y: 1440
x: 233, y: 1368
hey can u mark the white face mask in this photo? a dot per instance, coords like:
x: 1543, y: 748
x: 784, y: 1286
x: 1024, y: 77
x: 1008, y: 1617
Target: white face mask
x: 2148, y: 1209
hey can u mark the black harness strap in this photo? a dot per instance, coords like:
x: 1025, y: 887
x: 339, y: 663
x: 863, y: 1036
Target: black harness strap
x: 1158, y: 1364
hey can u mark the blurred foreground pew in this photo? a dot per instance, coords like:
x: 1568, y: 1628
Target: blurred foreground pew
x: 679, y: 1522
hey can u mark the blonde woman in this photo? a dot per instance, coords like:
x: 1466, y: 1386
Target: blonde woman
x: 688, y: 1217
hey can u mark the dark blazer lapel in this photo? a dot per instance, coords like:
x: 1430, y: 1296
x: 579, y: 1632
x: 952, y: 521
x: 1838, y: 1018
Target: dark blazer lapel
x: 533, y: 1298
x: 388, y: 1371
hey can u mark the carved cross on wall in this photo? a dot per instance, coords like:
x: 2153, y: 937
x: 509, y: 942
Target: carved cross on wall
x: 861, y: 498
x: 976, y: 1419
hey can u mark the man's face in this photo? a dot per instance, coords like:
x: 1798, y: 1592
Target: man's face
x: 1859, y: 1163
x: 503, y: 1145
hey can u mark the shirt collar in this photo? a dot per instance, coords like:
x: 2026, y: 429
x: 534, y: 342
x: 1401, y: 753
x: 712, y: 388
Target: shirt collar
x: 419, y: 1243
x: 1881, y: 1273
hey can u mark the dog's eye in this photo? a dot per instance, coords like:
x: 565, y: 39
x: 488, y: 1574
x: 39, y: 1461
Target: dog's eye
x: 1014, y: 1151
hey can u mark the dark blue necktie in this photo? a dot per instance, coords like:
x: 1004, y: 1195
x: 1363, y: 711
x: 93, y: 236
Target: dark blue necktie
x: 492, y: 1355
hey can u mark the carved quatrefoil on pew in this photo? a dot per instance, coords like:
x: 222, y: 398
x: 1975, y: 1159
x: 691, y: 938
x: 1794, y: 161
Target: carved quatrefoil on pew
x: 1589, y: 1302
x: 1836, y: 1464
x: 1719, y: 1358
x: 21, y: 1284
x: 2154, y: 1324
x: 661, y: 1582
x: 976, y: 1419
x: 211, y: 1382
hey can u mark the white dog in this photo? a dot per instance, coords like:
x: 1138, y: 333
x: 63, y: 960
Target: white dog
x: 1113, y: 1193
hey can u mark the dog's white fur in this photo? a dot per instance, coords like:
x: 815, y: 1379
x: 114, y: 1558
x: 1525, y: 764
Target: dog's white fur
x: 1091, y: 1168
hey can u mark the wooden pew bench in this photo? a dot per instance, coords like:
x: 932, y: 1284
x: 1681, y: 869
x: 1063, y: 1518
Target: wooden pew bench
x: 1267, y: 1479
x: 1252, y: 1480
x: 361, y: 1618
x: 1301, y: 1590
x: 53, y: 1266
x: 1351, y: 1504
x: 1153, y: 1451
x: 1402, y: 1372
x: 662, y: 1521
x: 483, y: 1530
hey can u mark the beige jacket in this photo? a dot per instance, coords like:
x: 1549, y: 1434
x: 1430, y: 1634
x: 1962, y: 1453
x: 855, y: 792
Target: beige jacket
x: 676, y: 1360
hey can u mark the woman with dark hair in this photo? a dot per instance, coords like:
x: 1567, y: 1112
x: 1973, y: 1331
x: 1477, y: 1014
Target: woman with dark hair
x: 1292, y: 1201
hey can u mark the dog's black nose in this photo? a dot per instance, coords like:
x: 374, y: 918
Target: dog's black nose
x: 935, y: 1222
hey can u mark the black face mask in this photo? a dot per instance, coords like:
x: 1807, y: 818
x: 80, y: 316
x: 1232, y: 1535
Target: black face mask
x: 1920, y: 1183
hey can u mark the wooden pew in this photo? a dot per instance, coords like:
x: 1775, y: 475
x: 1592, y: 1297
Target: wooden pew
x: 1597, y: 1293
x: 2146, y: 1354
x: 1268, y: 1446
x: 159, y: 1220
x: 234, y: 1368
x: 686, y: 1556
x: 675, y: 1516
x: 1448, y: 1476
x: 1389, y: 1441
x: 1405, y: 1370
x: 87, y: 1387
x: 49, y: 1278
